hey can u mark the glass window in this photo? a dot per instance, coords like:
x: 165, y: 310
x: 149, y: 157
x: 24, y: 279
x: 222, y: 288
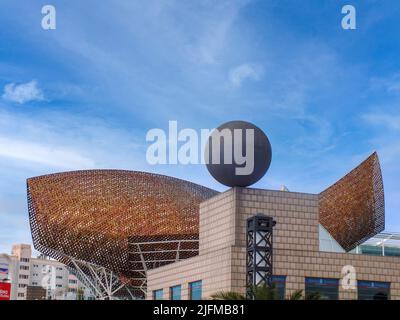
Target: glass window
x: 392, y: 251
x: 175, y: 293
x: 322, y: 288
x: 279, y: 282
x: 158, y: 294
x: 373, y: 290
x: 371, y: 250
x: 195, y: 290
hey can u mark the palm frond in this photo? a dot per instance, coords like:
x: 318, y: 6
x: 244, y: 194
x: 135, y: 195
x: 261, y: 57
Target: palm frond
x: 229, y: 295
x: 297, y: 295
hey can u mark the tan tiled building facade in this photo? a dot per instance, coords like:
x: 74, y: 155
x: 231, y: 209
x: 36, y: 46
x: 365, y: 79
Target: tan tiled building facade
x: 221, y: 263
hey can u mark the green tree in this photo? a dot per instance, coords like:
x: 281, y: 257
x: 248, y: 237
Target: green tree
x: 297, y: 295
x: 313, y: 296
x: 261, y: 292
x: 80, y: 294
x: 265, y: 292
x: 229, y: 295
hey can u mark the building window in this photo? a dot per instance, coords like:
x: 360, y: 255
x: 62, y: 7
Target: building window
x: 73, y: 281
x: 59, y: 277
x: 24, y: 260
x: 34, y: 283
x: 371, y: 250
x: 175, y: 293
x: 322, y: 288
x: 21, y: 295
x: 279, y: 282
x: 373, y: 290
x: 23, y: 276
x: 23, y: 267
x: 22, y: 285
x: 195, y: 290
x: 158, y: 294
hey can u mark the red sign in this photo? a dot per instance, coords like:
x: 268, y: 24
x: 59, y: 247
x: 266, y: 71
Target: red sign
x: 5, y: 291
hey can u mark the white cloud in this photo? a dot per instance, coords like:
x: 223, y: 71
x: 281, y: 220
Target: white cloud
x: 391, y: 84
x: 214, y: 32
x: 387, y: 120
x: 243, y: 72
x: 47, y: 141
x: 43, y: 154
x: 23, y: 93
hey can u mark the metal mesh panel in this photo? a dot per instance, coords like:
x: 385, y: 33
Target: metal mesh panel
x: 353, y: 209
x: 99, y: 216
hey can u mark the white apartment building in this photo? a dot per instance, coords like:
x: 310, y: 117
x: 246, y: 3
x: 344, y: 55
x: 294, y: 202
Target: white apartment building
x: 23, y: 271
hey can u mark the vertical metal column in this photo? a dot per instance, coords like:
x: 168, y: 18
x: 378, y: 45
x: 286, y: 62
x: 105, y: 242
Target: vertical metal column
x: 259, y: 252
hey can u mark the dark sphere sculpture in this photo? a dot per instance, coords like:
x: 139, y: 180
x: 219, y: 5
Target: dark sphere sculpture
x: 238, y: 169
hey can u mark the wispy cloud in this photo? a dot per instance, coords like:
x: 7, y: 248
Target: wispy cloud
x: 386, y: 139
x: 63, y: 141
x: 23, y: 93
x: 215, y: 30
x: 244, y: 72
x: 386, y: 120
x: 390, y: 84
x: 42, y: 154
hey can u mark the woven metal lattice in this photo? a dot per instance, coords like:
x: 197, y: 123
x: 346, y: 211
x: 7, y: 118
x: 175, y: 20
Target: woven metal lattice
x: 106, y: 216
x: 353, y: 209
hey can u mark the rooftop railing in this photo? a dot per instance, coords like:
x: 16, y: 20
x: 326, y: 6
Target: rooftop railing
x: 383, y: 244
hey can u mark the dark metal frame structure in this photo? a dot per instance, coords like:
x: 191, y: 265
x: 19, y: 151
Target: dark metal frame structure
x: 259, y: 252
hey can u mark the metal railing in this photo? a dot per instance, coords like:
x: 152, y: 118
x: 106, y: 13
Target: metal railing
x: 383, y: 244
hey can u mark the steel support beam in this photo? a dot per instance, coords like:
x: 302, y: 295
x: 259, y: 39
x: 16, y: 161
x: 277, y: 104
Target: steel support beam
x: 259, y: 264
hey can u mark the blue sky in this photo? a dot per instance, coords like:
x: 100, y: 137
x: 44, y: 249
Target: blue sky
x: 84, y: 95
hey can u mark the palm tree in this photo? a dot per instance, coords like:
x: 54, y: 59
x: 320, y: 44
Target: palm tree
x: 80, y: 295
x: 297, y: 295
x: 265, y: 292
x: 261, y: 292
x: 313, y: 296
x: 229, y: 295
